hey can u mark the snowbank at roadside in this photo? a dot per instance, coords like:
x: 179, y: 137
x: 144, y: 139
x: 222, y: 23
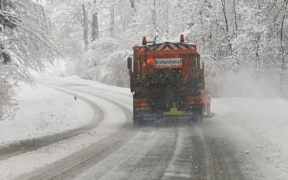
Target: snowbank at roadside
x: 267, y: 118
x: 114, y: 119
x: 44, y: 111
x: 77, y: 80
x: 261, y: 127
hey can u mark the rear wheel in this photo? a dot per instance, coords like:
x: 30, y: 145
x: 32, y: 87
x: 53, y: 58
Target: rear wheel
x: 198, y: 118
x: 136, y: 122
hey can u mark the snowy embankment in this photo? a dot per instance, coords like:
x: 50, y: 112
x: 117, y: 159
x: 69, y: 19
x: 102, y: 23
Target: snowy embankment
x: 266, y: 119
x: 44, y: 156
x: 44, y: 111
x: 260, y: 126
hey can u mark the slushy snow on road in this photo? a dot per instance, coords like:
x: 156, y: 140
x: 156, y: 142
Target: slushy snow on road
x: 257, y: 126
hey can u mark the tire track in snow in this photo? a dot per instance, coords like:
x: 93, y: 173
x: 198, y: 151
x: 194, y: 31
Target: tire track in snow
x: 144, y: 157
x: 33, y: 144
x: 68, y: 167
x: 220, y: 159
x: 181, y: 162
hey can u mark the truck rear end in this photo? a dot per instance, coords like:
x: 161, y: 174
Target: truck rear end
x: 167, y: 82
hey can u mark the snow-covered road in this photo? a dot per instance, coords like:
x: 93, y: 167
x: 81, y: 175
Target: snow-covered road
x: 227, y: 146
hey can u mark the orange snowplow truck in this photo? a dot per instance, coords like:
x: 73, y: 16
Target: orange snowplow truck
x: 167, y: 82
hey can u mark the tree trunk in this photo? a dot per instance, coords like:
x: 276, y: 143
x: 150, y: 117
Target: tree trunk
x: 95, y: 27
x: 226, y: 26
x: 112, y: 22
x: 235, y: 18
x: 167, y: 17
x: 154, y: 17
x: 258, y: 64
x: 85, y: 19
x: 225, y: 15
x: 282, y: 51
x: 133, y: 5
x: 134, y: 19
x: 202, y: 27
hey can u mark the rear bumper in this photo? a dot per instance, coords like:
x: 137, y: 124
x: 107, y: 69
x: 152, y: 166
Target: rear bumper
x: 147, y: 117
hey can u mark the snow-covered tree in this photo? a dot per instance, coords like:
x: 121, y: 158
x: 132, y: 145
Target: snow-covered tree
x: 241, y: 36
x: 26, y: 44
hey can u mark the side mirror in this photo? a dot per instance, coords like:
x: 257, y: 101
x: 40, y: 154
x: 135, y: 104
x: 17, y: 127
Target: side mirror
x: 129, y: 63
x: 199, y: 62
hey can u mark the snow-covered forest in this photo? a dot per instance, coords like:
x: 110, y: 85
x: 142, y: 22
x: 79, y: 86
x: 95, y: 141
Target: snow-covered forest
x: 27, y: 43
x: 243, y: 43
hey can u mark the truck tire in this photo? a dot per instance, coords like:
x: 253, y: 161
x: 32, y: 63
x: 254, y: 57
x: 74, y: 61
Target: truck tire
x: 197, y: 118
x: 200, y: 120
x: 136, y: 122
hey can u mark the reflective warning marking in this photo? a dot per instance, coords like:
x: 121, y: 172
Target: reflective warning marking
x: 160, y: 47
x: 173, y: 46
x: 182, y: 47
x: 167, y: 46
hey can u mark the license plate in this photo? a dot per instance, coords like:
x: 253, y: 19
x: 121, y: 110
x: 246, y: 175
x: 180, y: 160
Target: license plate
x: 150, y: 117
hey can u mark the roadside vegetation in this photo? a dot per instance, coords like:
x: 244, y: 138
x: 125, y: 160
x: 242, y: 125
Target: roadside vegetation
x: 94, y: 37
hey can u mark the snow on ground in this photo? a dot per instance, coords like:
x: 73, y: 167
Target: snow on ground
x: 260, y: 127
x: 30, y: 161
x: 77, y: 80
x: 262, y: 119
x: 43, y: 111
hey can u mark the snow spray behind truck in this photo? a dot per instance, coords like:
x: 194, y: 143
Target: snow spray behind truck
x: 167, y: 82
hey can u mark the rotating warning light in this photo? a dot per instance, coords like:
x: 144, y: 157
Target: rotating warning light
x: 150, y: 62
x: 144, y: 40
x: 181, y: 38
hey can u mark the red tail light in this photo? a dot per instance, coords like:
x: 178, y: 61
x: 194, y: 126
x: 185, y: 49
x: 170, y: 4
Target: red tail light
x: 141, y: 103
x: 194, y: 100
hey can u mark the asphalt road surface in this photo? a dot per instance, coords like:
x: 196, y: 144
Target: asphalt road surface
x: 168, y: 152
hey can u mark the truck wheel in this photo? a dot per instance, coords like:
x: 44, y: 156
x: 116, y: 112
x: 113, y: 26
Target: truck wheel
x: 198, y: 118
x: 136, y: 122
